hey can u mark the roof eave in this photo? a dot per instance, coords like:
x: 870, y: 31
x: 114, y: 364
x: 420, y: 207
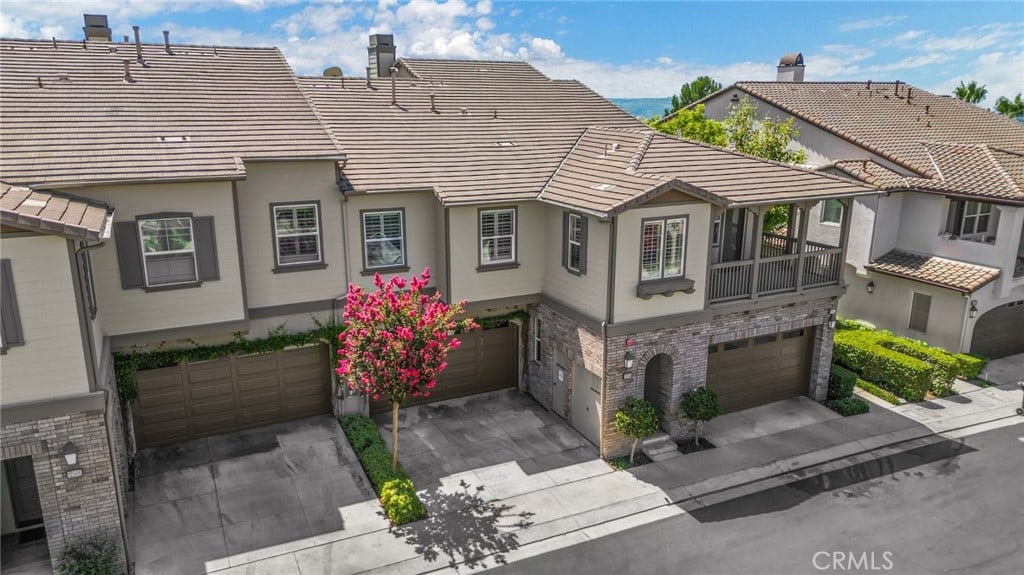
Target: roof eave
x: 966, y: 291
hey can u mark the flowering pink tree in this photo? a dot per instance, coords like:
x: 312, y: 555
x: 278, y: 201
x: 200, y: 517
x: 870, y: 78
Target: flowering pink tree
x: 396, y: 341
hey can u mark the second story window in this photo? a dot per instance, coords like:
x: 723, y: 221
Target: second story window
x: 662, y: 247
x: 497, y: 236
x: 383, y: 240
x: 831, y: 212
x: 973, y: 221
x: 297, y: 234
x: 574, y: 255
x: 169, y: 256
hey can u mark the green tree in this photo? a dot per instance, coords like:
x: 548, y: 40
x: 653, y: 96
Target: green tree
x: 1011, y: 108
x: 692, y: 124
x: 636, y: 420
x: 700, y: 405
x: 764, y: 138
x: 690, y: 92
x: 970, y: 92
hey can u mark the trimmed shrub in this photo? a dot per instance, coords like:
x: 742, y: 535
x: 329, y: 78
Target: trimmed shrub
x: 843, y: 324
x: 878, y: 392
x: 376, y: 460
x: 840, y: 382
x: 848, y: 406
x: 970, y: 364
x: 91, y: 555
x: 945, y: 366
x: 361, y: 432
x: 700, y: 405
x: 401, y: 505
x: 636, y: 420
x: 860, y: 351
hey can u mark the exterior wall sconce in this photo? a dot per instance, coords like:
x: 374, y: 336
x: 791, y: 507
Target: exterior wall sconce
x: 628, y: 360
x: 973, y: 311
x: 831, y: 318
x: 70, y: 453
x: 871, y: 287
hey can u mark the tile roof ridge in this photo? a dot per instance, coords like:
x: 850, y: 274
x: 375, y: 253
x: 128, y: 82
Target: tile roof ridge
x: 931, y: 158
x: 561, y: 163
x: 78, y: 44
x: 641, y: 151
x: 1001, y: 170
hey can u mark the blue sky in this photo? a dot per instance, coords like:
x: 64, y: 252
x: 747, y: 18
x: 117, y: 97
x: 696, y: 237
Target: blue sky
x: 620, y: 49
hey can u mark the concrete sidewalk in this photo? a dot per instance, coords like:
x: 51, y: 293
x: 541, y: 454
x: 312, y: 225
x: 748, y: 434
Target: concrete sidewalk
x: 972, y: 405
x: 496, y: 514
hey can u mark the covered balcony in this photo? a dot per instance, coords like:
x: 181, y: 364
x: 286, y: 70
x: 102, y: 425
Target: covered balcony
x: 748, y: 262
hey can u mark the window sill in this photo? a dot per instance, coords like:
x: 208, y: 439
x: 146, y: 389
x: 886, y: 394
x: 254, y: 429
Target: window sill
x: 299, y: 268
x: 386, y: 270
x: 171, y: 287
x: 665, y: 287
x: 497, y: 267
x: 574, y: 272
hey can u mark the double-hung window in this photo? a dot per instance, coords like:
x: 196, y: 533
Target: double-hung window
x: 297, y: 234
x: 574, y: 248
x: 663, y: 244
x: 497, y: 236
x: 831, y: 211
x: 383, y: 239
x: 169, y: 255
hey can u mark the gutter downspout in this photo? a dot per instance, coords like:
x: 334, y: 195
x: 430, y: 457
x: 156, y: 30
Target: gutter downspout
x: 963, y: 327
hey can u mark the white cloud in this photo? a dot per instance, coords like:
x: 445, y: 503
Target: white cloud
x: 541, y: 49
x: 977, y: 38
x: 882, y: 22
x: 322, y: 19
x: 664, y: 60
x: 1002, y: 74
x: 484, y: 24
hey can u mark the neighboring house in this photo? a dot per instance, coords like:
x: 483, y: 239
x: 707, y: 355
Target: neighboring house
x: 224, y: 182
x: 639, y: 257
x: 940, y: 256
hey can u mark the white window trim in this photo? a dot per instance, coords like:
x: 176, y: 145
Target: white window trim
x: 497, y: 236
x: 575, y: 222
x: 821, y: 216
x: 145, y: 256
x: 662, y: 247
x: 537, y: 335
x: 976, y: 235
x: 716, y: 231
x: 315, y: 233
x: 368, y: 241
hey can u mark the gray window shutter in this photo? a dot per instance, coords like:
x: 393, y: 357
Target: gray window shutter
x: 919, y: 308
x: 9, y: 317
x: 565, y: 239
x: 129, y: 255
x: 955, y: 218
x: 583, y: 244
x: 206, y: 248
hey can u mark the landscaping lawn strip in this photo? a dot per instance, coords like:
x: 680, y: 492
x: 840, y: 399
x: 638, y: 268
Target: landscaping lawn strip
x: 878, y: 392
x: 395, y: 490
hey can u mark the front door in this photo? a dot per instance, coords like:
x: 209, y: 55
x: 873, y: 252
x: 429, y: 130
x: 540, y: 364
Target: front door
x: 586, y: 403
x: 21, y: 480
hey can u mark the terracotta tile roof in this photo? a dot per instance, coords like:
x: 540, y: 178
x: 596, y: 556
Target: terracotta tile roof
x: 609, y: 170
x: 54, y: 213
x: 196, y: 114
x: 921, y: 136
x: 497, y: 132
x: 942, y: 272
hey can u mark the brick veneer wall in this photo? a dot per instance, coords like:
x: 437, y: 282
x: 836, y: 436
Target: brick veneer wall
x: 72, y: 507
x: 560, y: 335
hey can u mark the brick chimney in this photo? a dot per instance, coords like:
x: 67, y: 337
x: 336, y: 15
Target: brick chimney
x: 791, y: 68
x: 382, y: 54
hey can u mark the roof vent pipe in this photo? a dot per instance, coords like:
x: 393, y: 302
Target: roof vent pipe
x: 138, y: 46
x: 896, y: 91
x: 125, y: 39
x: 369, y: 86
x: 394, y: 74
x: 909, y: 90
x: 167, y: 42
x: 127, y: 71
x: 39, y: 81
x: 869, y: 84
x: 433, y: 108
x: 54, y: 38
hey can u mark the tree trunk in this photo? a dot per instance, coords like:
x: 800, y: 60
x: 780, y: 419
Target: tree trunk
x: 696, y: 433
x: 394, y: 436
x: 632, y: 451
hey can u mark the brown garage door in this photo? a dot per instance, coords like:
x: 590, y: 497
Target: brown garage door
x: 1000, y: 331
x: 486, y: 361
x: 210, y: 397
x: 750, y: 372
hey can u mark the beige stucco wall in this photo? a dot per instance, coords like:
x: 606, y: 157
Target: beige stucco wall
x: 587, y: 293
x: 420, y: 232
x: 51, y: 363
x: 286, y: 182
x: 532, y: 250
x: 628, y: 306
x: 135, y: 310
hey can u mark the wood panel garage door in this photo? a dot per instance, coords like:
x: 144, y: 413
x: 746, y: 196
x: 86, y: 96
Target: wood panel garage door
x: 486, y: 361
x: 1000, y: 331
x: 750, y: 372
x: 209, y: 397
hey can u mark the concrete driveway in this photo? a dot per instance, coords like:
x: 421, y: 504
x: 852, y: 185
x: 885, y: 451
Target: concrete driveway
x: 226, y: 500
x: 795, y: 413
x: 486, y: 430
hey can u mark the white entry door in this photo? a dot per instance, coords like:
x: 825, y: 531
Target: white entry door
x: 586, y: 403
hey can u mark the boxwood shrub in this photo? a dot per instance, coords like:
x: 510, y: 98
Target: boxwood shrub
x: 848, y: 406
x: 841, y: 382
x: 860, y: 351
x: 970, y: 364
x: 945, y: 366
x: 395, y: 489
x: 878, y: 392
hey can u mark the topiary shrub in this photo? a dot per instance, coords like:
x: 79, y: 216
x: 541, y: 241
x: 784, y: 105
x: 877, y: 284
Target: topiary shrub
x: 636, y: 420
x: 361, y: 432
x: 401, y: 505
x: 945, y: 366
x: 700, y: 405
x: 860, y: 351
x: 848, y: 406
x: 91, y: 555
x: 970, y: 364
x: 841, y: 382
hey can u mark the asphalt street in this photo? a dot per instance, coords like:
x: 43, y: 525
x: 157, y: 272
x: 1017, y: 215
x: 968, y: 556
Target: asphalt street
x: 955, y: 506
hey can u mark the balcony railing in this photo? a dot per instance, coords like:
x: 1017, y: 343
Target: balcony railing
x: 777, y: 273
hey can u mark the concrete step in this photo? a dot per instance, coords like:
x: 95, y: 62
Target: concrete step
x: 659, y: 447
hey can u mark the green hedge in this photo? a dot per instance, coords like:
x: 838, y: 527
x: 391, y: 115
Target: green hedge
x: 970, y: 365
x: 945, y: 366
x: 860, y: 351
x: 843, y: 324
x: 395, y: 489
x: 848, y: 406
x: 878, y: 392
x: 841, y: 382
